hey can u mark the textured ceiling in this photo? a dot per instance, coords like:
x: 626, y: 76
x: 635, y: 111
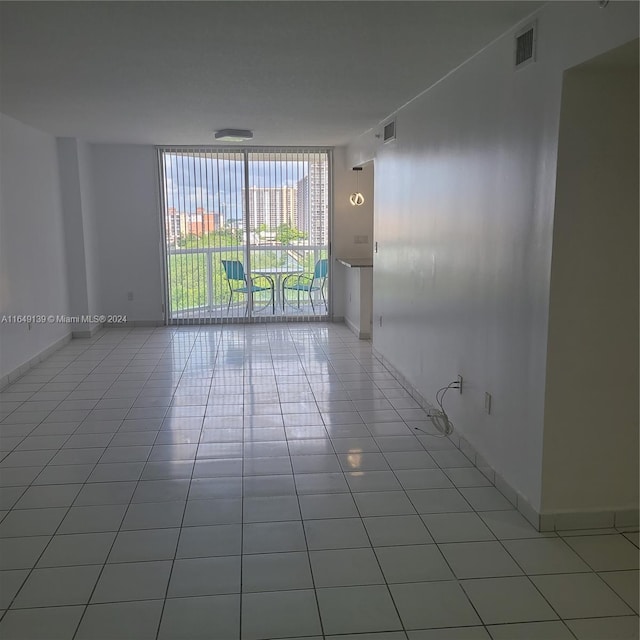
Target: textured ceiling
x: 173, y: 72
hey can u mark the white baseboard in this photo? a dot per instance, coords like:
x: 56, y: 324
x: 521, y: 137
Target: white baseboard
x: 18, y: 372
x: 87, y: 332
x: 361, y: 334
x: 129, y: 324
x: 556, y: 521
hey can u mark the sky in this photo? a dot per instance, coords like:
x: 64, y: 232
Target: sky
x: 215, y: 181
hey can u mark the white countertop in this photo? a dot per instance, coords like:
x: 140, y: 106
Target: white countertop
x: 356, y: 262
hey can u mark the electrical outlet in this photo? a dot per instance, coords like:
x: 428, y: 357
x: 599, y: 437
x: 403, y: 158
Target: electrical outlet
x: 130, y: 296
x: 459, y: 383
x: 380, y: 320
x: 487, y: 403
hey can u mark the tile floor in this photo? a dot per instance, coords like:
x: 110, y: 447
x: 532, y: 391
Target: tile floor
x: 266, y: 482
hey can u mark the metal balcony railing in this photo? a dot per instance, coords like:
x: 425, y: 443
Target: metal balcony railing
x: 198, y: 285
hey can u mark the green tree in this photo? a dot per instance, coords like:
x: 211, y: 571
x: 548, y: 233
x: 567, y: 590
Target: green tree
x: 220, y: 238
x: 286, y: 234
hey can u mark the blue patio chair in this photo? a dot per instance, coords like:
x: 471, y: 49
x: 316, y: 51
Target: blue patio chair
x: 238, y: 283
x: 307, y: 283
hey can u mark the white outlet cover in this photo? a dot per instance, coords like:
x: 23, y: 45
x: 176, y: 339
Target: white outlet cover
x: 487, y: 402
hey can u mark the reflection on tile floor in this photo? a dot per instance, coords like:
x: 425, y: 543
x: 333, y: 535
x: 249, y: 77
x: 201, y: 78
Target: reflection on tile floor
x: 261, y: 482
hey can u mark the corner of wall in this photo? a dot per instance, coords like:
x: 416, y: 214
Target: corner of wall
x: 32, y: 247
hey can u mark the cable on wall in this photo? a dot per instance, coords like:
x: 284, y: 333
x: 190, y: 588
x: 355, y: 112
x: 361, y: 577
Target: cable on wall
x: 438, y: 416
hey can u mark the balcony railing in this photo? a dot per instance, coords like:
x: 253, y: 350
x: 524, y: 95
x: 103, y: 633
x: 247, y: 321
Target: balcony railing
x: 198, y: 285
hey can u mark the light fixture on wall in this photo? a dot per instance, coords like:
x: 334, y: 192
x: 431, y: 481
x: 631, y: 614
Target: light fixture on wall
x: 356, y: 199
x: 233, y: 135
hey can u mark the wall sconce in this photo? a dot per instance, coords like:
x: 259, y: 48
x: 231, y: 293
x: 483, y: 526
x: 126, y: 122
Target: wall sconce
x: 356, y: 199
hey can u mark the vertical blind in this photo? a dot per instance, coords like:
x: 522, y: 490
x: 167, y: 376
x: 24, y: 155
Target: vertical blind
x: 246, y: 233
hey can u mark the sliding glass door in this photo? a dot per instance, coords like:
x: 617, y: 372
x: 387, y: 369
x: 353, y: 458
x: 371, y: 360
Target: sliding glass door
x: 246, y: 233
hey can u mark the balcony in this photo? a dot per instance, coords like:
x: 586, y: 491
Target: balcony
x: 199, y: 290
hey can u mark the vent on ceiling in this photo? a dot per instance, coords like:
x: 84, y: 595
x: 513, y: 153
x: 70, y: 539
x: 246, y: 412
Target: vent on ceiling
x: 389, y: 132
x: 526, y: 45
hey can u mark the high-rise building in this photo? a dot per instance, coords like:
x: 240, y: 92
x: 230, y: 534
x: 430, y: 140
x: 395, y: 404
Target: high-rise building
x: 175, y: 225
x: 202, y: 222
x: 271, y: 206
x: 312, y: 202
x: 180, y: 224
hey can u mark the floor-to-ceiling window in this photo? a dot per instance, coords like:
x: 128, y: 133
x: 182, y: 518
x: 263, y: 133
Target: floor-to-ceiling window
x: 246, y: 233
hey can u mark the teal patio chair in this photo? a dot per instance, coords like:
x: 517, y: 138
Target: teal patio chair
x: 307, y: 283
x: 238, y: 283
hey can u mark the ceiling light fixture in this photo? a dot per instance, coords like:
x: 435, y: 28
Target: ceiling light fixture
x: 234, y: 135
x: 356, y: 199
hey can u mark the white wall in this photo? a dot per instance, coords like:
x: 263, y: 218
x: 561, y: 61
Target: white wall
x: 70, y: 193
x: 349, y: 221
x: 591, y: 412
x: 90, y: 229
x: 358, y: 300
x: 124, y: 182
x: 464, y: 202
x: 33, y: 276
x: 81, y: 236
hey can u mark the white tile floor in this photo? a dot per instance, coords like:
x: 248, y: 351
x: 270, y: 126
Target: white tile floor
x: 262, y: 482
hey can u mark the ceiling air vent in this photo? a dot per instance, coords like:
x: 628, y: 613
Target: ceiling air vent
x: 526, y: 46
x: 389, y: 132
